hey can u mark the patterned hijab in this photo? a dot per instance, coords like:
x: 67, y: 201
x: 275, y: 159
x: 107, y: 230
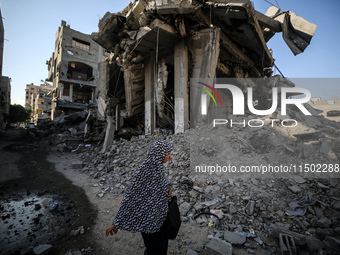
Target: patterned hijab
x: 145, y: 204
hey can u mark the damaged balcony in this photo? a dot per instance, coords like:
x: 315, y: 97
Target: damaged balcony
x: 79, y: 72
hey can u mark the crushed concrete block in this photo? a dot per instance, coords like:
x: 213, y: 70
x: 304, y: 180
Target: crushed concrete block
x: 184, y: 208
x: 191, y: 252
x: 295, y: 189
x: 73, y: 252
x: 320, y: 185
x: 313, y: 244
x: 77, y: 165
x: 333, y: 240
x: 232, y: 209
x: 298, y: 179
x: 336, y: 206
x: 250, y: 207
x: 210, y: 203
x: 324, y: 222
x: 219, y: 247
x: 42, y: 249
x: 327, y: 150
x: 234, y: 238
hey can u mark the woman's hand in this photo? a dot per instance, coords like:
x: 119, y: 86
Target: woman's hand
x: 169, y: 192
x: 110, y: 230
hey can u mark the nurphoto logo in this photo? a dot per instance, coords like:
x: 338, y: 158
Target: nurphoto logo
x: 232, y: 96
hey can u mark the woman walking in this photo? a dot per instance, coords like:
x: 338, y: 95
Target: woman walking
x: 145, y: 205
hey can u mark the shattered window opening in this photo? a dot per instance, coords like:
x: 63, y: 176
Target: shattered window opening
x: 79, y: 71
x: 80, y: 44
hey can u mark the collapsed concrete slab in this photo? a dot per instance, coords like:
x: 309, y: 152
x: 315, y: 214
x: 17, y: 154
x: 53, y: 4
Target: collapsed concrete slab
x: 159, y: 46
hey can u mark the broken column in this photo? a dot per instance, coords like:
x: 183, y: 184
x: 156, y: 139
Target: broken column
x: 109, y: 134
x: 150, y: 114
x: 181, y: 87
x: 205, y: 49
x: 102, y: 88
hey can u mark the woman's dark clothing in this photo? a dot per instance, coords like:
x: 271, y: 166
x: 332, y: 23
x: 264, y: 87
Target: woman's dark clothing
x: 156, y: 243
x: 145, y: 204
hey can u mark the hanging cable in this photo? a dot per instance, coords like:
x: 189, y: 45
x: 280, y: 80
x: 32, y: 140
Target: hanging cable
x: 114, y: 93
x: 156, y: 61
x: 271, y: 3
x: 277, y: 4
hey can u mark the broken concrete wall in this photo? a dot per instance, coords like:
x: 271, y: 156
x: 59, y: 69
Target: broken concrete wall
x: 171, y: 6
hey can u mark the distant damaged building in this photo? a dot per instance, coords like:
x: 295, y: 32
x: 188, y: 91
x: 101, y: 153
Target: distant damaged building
x: 73, y: 69
x: 158, y: 46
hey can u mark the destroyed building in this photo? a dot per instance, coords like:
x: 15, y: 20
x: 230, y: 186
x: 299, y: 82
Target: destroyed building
x: 42, y: 108
x: 73, y: 69
x: 156, y: 47
x: 5, y: 103
x: 39, y: 99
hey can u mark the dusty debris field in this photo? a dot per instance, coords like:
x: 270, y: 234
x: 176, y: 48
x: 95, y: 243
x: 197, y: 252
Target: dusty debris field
x: 253, y: 209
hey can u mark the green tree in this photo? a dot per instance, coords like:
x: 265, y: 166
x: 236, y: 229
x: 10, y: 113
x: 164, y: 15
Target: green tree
x: 17, y: 113
x: 28, y: 109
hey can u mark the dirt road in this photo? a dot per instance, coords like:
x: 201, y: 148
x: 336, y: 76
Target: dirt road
x: 33, y: 177
x: 29, y: 184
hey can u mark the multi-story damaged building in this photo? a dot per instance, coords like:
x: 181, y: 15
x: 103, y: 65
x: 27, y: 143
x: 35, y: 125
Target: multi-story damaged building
x: 158, y: 46
x: 42, y: 108
x: 73, y: 69
x: 6, y: 97
x: 39, y: 99
x: 32, y: 91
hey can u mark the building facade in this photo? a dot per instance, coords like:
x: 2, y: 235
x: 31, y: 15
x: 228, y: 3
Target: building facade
x: 2, y: 98
x: 6, y: 99
x: 42, y: 108
x: 73, y: 69
x: 39, y: 99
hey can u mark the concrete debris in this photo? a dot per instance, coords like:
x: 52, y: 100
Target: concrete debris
x: 219, y: 247
x: 191, y: 252
x: 287, y: 244
x: 77, y: 165
x: 73, y: 252
x: 250, y: 209
x: 42, y: 249
x: 313, y: 244
x: 295, y: 189
x: 234, y: 238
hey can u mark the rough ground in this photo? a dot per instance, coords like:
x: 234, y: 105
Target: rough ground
x: 29, y: 184
x: 253, y: 207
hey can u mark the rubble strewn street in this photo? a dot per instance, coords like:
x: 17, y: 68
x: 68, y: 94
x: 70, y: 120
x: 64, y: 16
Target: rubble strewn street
x: 255, y: 212
x: 263, y: 180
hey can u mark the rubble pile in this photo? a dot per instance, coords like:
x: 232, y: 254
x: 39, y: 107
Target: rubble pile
x: 260, y: 214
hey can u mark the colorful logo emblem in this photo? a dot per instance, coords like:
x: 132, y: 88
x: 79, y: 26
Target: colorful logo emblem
x: 207, y: 91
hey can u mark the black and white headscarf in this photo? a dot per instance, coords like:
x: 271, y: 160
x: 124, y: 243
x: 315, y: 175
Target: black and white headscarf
x: 145, y: 204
